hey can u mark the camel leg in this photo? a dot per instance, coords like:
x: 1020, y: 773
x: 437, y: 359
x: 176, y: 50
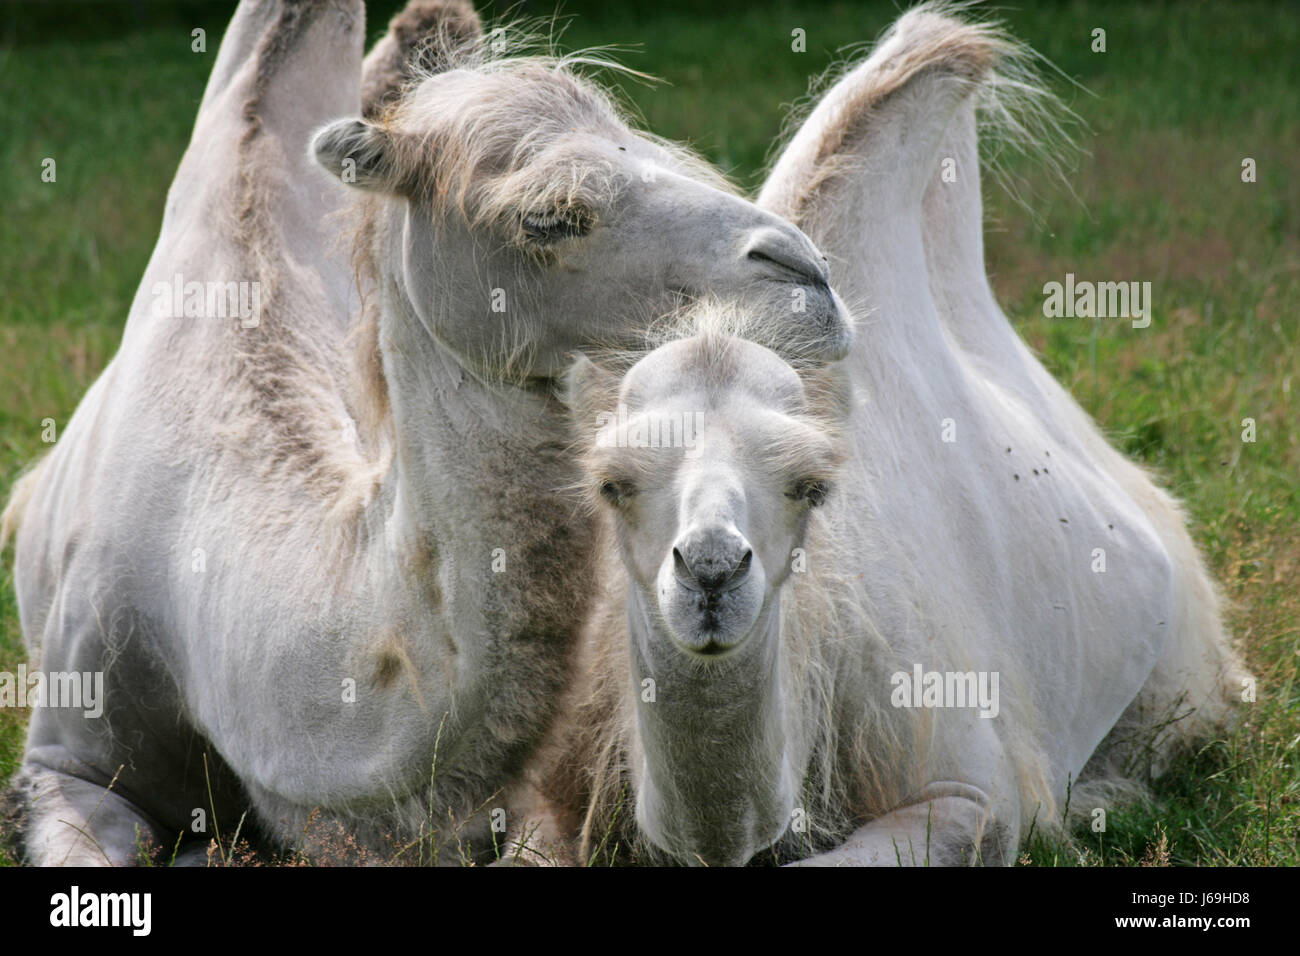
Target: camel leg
x: 950, y: 824
x: 68, y: 821
x: 192, y: 854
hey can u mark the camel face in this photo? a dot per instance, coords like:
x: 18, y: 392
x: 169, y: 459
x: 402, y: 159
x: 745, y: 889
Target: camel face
x: 708, y: 526
x: 518, y: 196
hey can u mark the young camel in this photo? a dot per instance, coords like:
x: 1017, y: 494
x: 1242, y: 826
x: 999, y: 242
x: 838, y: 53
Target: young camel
x: 749, y: 674
x: 351, y: 604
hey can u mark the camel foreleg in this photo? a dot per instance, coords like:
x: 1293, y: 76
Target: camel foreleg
x: 947, y: 824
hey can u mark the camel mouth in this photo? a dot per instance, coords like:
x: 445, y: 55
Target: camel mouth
x: 709, y: 598
x: 823, y: 331
x: 711, y: 650
x: 709, y: 625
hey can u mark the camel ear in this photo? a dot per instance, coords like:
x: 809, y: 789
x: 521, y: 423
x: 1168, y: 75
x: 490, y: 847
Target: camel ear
x: 360, y: 154
x: 589, y: 391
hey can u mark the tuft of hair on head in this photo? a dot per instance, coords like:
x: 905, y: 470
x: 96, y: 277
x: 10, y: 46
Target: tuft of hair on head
x: 718, y: 320
x: 473, y: 131
x: 715, y: 327
x: 715, y: 321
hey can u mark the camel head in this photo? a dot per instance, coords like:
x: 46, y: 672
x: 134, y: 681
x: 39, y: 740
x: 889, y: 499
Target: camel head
x: 707, y: 525
x: 520, y: 218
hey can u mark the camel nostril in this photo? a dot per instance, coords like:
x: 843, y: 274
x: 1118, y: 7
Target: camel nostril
x: 712, y: 576
x: 742, y: 569
x: 682, y: 570
x: 789, y: 267
x: 787, y: 252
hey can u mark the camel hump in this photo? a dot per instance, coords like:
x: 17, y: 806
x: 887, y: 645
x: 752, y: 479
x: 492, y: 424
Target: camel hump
x: 927, y: 42
x: 911, y: 83
x: 420, y: 40
x: 285, y: 66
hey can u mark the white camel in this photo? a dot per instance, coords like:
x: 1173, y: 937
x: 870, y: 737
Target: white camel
x: 885, y: 612
x: 349, y: 601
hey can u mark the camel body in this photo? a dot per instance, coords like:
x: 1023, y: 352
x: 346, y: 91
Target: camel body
x: 350, y: 600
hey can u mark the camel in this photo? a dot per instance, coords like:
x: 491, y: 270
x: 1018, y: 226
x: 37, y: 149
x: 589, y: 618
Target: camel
x: 807, y: 184
x: 896, y: 610
x: 315, y: 537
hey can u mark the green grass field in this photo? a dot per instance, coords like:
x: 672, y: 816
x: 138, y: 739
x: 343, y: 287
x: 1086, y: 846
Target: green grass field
x: 1181, y: 96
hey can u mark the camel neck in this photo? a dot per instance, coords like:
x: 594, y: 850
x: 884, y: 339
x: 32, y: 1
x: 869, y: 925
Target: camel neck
x: 715, y: 771
x: 452, y: 426
x: 481, y: 477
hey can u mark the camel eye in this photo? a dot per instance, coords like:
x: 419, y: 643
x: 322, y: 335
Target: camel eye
x: 616, y: 492
x: 553, y: 225
x: 812, y: 491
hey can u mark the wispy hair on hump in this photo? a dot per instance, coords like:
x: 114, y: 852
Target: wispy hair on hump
x: 1018, y: 115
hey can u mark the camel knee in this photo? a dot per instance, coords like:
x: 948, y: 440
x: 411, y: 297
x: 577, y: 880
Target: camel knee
x: 948, y: 824
x: 66, y: 821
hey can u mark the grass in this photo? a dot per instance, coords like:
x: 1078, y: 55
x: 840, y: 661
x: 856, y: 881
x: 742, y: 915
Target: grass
x: 1181, y: 96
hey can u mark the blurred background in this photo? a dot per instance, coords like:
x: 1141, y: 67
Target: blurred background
x: 1182, y: 95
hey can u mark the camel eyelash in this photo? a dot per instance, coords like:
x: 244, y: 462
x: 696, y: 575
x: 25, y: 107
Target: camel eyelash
x: 616, y: 492
x: 556, y: 224
x: 814, y: 491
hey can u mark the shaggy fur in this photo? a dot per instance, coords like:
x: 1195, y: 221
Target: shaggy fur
x: 420, y: 40
x: 969, y: 555
x: 354, y: 629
